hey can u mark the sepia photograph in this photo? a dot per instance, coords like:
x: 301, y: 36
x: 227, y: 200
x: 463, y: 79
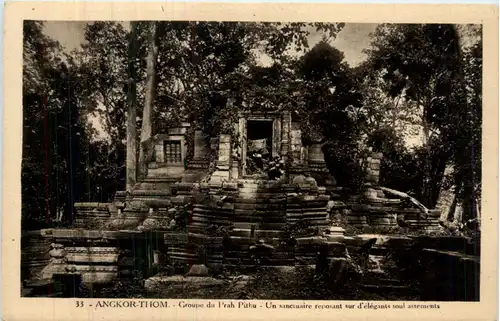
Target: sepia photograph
x: 245, y: 160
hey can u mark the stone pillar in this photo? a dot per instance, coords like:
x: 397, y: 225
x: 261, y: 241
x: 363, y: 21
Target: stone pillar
x: 242, y: 148
x: 235, y: 155
x: 317, y: 167
x: 373, y: 168
x: 223, y: 161
x: 201, y: 150
x: 160, y: 152
x: 315, y: 154
x: 34, y: 254
x: 224, y: 151
x: 276, y: 137
x: 285, y: 134
x: 296, y: 143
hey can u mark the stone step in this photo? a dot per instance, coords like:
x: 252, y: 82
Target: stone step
x: 260, y: 219
x: 275, y: 255
x: 259, y: 212
x: 192, y: 248
x: 260, y: 188
x: 208, y: 220
x: 241, y: 200
x: 259, y: 226
x: 299, y: 210
x: 262, y: 192
x: 204, y: 218
x: 202, y: 228
x: 92, y: 258
x: 256, y: 233
x: 190, y: 261
x: 192, y: 255
x: 291, y: 205
x: 312, y: 222
x: 244, y: 241
x: 198, y: 227
x: 261, y: 182
x: 215, y: 210
x: 257, y: 206
x: 306, y: 214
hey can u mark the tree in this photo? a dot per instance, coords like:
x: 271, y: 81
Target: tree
x: 420, y: 62
x: 429, y: 66
x: 102, y: 67
x: 56, y: 140
x: 463, y: 128
x: 151, y: 62
x: 208, y: 63
x: 328, y: 99
x: 40, y: 56
x: 200, y: 65
x: 131, y: 114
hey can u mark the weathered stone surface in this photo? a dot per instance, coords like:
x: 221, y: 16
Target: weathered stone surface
x: 285, y: 134
x: 152, y: 224
x: 91, y: 215
x: 222, y: 172
x: 372, y: 167
x: 387, y: 240
x: 334, y: 233
x: 315, y: 154
x: 154, y: 283
x: 34, y: 254
x: 198, y: 270
x: 439, y: 284
x: 201, y: 148
x: 296, y: 143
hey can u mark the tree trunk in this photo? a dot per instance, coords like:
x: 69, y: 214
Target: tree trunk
x: 450, y: 215
x: 146, y: 129
x: 131, y: 111
x: 426, y: 174
x: 465, y: 155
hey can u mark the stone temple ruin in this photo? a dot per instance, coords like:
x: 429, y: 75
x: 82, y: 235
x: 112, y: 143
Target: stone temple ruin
x: 210, y: 201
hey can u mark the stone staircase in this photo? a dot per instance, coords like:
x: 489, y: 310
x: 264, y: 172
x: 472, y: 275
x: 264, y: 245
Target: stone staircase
x: 259, y: 214
x: 259, y: 210
x: 250, y: 212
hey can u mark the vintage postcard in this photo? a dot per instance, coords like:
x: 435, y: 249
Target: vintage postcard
x: 180, y: 161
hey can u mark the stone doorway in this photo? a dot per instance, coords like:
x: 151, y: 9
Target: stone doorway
x: 259, y: 145
x: 255, y: 127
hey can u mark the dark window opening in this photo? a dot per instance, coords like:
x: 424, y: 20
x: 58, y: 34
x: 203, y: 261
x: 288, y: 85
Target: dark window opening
x: 259, y: 145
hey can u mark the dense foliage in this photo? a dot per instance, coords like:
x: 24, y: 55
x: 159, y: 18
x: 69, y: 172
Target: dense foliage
x: 438, y: 77
x: 415, y: 78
